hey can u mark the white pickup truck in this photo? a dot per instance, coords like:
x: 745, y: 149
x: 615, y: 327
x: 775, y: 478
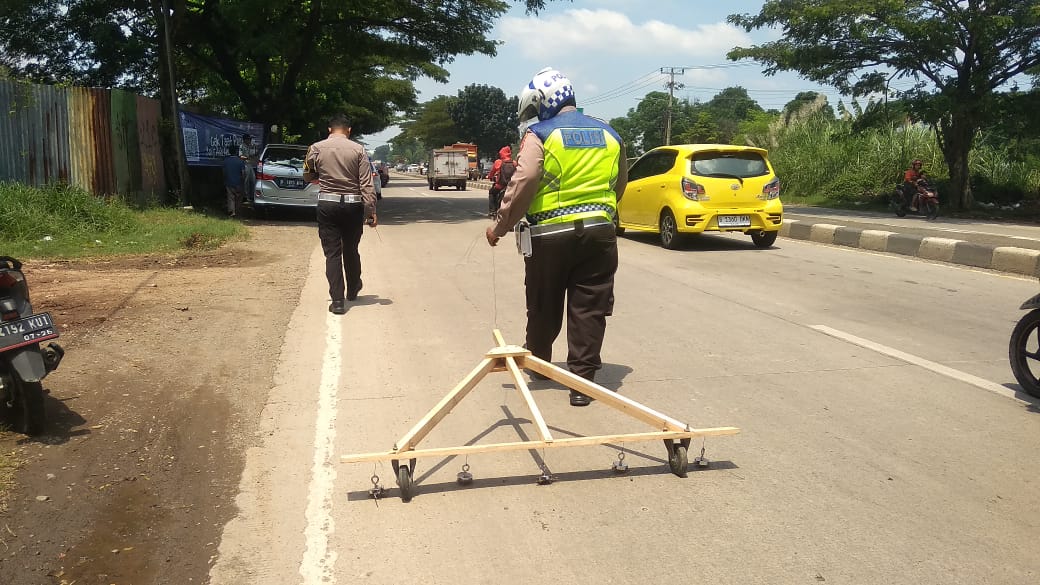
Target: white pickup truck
x: 448, y: 166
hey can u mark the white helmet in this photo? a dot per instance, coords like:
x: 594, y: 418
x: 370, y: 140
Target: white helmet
x: 543, y: 97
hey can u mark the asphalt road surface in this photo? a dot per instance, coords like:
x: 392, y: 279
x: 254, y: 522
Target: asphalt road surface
x: 883, y: 438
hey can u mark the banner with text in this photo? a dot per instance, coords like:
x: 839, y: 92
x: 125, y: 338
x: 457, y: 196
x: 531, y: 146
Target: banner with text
x: 206, y: 138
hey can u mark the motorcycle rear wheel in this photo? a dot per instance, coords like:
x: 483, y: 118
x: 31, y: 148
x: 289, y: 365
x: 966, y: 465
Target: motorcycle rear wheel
x: 899, y: 204
x: 1024, y: 352
x: 931, y: 209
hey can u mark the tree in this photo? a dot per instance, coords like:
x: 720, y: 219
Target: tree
x: 433, y: 125
x: 382, y: 153
x: 808, y: 103
x: 484, y: 116
x: 274, y: 61
x: 729, y: 108
x: 958, y: 53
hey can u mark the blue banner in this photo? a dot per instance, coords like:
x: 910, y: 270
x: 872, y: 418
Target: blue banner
x: 206, y: 138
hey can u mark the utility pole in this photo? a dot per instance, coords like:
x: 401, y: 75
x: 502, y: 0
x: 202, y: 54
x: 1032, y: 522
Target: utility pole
x: 672, y: 86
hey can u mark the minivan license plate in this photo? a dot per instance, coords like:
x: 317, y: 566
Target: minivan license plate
x: 290, y: 183
x: 734, y: 221
x: 28, y: 330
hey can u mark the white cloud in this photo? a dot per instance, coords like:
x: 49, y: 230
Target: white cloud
x: 607, y: 32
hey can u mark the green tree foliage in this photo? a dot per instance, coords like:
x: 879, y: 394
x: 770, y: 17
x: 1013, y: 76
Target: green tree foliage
x: 808, y: 101
x: 957, y: 53
x: 273, y: 61
x: 729, y: 108
x: 382, y: 153
x: 106, y: 43
x: 433, y: 126
x: 484, y: 116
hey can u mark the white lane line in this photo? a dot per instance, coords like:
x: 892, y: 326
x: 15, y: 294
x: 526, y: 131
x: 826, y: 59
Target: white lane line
x: 919, y: 361
x: 318, y: 561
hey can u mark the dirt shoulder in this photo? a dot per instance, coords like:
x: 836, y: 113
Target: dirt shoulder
x: 169, y: 362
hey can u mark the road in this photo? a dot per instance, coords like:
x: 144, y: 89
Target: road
x: 882, y: 438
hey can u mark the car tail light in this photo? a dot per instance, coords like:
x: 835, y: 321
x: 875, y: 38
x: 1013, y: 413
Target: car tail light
x: 693, y: 191
x: 771, y: 190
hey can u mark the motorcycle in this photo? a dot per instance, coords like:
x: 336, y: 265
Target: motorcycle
x: 1024, y: 349
x: 23, y: 362
x: 927, y: 200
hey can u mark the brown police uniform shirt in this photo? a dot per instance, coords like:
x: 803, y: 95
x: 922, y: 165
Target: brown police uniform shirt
x: 342, y: 168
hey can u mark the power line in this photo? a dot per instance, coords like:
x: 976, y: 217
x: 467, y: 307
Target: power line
x: 626, y: 88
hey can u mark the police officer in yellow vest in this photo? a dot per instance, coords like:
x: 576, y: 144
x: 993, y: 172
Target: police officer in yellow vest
x: 570, y: 172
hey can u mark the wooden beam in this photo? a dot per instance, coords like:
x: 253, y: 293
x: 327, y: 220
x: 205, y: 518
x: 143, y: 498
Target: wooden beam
x: 507, y: 351
x: 521, y: 385
x: 523, y: 445
x: 499, y: 340
x: 612, y: 399
x: 426, y: 424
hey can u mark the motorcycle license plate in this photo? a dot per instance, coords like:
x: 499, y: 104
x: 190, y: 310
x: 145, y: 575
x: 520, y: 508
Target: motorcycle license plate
x: 734, y: 221
x: 28, y: 330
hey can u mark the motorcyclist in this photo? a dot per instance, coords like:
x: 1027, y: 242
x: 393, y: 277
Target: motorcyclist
x: 912, y: 183
x: 498, y: 180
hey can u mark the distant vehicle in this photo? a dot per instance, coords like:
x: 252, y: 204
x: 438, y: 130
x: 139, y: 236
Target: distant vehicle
x: 473, y: 170
x: 412, y: 168
x: 377, y: 181
x: 279, y: 179
x: 448, y: 166
x: 692, y: 188
x: 384, y: 172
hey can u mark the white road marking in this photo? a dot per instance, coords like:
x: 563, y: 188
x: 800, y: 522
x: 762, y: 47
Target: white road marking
x: 919, y: 361
x: 318, y: 561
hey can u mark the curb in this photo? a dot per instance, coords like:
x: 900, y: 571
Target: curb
x: 1002, y: 258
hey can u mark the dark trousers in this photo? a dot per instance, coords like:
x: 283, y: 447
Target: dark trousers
x: 577, y: 268
x: 339, y: 227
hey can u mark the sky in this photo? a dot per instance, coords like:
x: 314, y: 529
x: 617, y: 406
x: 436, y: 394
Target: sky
x: 613, y: 52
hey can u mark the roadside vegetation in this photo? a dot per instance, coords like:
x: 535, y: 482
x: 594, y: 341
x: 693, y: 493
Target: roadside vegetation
x: 834, y: 162
x: 62, y: 221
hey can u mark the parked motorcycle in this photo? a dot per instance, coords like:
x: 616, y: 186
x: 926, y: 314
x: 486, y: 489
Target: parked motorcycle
x: 1024, y: 349
x: 927, y: 200
x: 23, y: 363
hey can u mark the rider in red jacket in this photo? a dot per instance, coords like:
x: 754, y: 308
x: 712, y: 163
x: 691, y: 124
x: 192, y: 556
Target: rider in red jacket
x: 495, y: 192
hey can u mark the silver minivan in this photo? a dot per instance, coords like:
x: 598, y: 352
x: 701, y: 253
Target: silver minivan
x: 279, y: 179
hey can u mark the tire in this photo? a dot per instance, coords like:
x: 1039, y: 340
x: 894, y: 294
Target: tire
x: 899, y: 204
x: 34, y: 416
x: 931, y: 209
x: 763, y: 239
x: 1024, y: 352
x: 669, y: 231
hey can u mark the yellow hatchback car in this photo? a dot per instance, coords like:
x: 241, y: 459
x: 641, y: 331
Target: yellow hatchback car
x: 693, y: 188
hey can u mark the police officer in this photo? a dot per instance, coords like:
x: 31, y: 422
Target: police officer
x: 570, y: 172
x: 346, y: 201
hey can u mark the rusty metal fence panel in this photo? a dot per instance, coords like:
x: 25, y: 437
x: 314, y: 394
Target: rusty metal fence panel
x: 153, y: 176
x: 105, y: 141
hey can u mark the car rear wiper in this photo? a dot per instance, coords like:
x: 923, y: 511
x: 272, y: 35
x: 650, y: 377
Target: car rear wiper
x: 725, y: 176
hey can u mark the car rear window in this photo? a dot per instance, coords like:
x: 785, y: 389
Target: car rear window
x: 290, y: 157
x: 728, y: 164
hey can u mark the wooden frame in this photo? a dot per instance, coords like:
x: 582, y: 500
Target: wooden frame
x: 511, y: 358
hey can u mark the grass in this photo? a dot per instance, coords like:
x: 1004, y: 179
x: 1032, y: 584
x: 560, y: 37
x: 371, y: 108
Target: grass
x: 62, y: 221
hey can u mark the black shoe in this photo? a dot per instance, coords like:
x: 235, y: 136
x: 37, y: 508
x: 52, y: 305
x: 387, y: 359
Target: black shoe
x: 352, y: 294
x: 337, y: 307
x: 579, y: 399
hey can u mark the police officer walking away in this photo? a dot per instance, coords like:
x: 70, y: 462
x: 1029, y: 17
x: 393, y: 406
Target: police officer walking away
x: 346, y: 201
x: 570, y: 172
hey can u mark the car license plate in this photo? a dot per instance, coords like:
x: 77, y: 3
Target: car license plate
x: 290, y: 183
x: 734, y: 221
x: 28, y: 330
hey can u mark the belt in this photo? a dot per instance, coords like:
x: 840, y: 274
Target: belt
x: 576, y: 225
x: 339, y: 198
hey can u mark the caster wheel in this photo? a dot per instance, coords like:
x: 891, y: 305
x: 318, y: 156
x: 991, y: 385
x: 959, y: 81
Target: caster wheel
x: 677, y: 460
x: 404, y: 481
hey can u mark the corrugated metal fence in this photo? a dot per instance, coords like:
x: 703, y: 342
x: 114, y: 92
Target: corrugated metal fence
x: 106, y: 141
